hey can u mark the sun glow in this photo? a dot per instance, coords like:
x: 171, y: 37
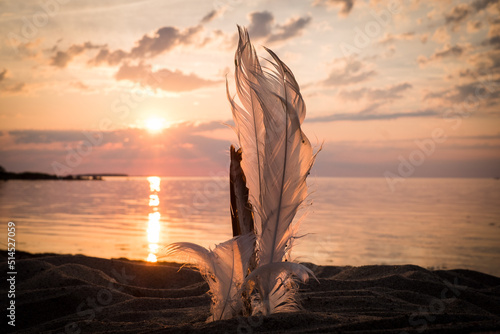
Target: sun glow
x: 154, y: 124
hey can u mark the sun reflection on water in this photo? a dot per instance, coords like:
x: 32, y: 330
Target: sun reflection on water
x: 154, y: 200
x: 153, y: 230
x: 154, y: 183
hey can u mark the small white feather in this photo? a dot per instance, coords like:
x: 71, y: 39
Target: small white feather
x: 224, y: 269
x: 276, y: 286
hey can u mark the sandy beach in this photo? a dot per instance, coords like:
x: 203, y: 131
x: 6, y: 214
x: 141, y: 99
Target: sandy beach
x: 79, y: 294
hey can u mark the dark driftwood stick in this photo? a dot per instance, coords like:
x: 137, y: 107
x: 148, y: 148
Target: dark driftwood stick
x: 241, y: 209
x: 241, y: 214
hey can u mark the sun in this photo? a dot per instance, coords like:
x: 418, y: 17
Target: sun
x: 154, y: 124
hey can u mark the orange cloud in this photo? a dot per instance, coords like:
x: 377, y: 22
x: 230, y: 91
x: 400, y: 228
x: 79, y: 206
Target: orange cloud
x: 346, y: 5
x: 172, y: 81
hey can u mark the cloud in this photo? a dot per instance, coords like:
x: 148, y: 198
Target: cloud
x: 106, y: 56
x: 436, y: 95
x: 479, y: 90
x: 167, y: 38
x: 212, y: 15
x: 446, y: 52
x: 109, y: 137
x: 262, y: 26
x: 482, y: 4
x: 13, y: 88
x: 346, y: 5
x: 493, y: 38
x: 462, y: 12
x: 456, y: 50
x: 62, y: 58
x: 389, y: 93
x: 474, y: 26
x: 391, y: 38
x: 441, y: 35
x: 458, y: 157
x: 292, y: 28
x: 183, y: 149
x: 367, y: 116
x: 494, y: 61
x: 28, y: 49
x: 465, y: 73
x: 163, y: 40
x: 493, y: 41
x: 8, y: 86
x: 353, y: 72
x: 458, y: 14
x: 3, y: 74
x: 484, y: 64
x: 173, y: 81
x: 371, y: 107
x: 469, y: 93
x: 45, y: 136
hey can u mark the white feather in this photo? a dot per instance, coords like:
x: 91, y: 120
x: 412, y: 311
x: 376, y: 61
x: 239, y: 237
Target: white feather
x: 276, y: 286
x: 224, y: 269
x: 277, y: 157
x: 249, y: 118
x: 289, y: 158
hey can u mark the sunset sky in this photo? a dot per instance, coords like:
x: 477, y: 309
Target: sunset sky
x: 402, y: 88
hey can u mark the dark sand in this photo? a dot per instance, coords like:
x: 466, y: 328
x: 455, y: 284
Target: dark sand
x: 79, y: 294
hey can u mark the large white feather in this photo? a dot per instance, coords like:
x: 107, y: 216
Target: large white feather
x: 289, y: 158
x: 277, y: 157
x: 249, y: 118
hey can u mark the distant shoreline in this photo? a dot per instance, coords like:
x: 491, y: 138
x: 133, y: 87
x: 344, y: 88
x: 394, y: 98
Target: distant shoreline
x: 5, y: 176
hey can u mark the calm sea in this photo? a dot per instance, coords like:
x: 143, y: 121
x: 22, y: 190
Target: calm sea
x: 434, y: 223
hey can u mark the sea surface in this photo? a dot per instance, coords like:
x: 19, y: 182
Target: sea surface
x: 434, y: 223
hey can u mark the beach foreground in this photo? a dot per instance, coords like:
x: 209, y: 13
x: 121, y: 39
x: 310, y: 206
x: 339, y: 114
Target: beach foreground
x: 79, y: 294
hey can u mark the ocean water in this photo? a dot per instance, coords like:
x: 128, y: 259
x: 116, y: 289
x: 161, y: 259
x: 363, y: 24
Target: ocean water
x: 433, y: 223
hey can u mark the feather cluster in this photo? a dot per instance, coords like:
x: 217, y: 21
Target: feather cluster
x: 251, y: 273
